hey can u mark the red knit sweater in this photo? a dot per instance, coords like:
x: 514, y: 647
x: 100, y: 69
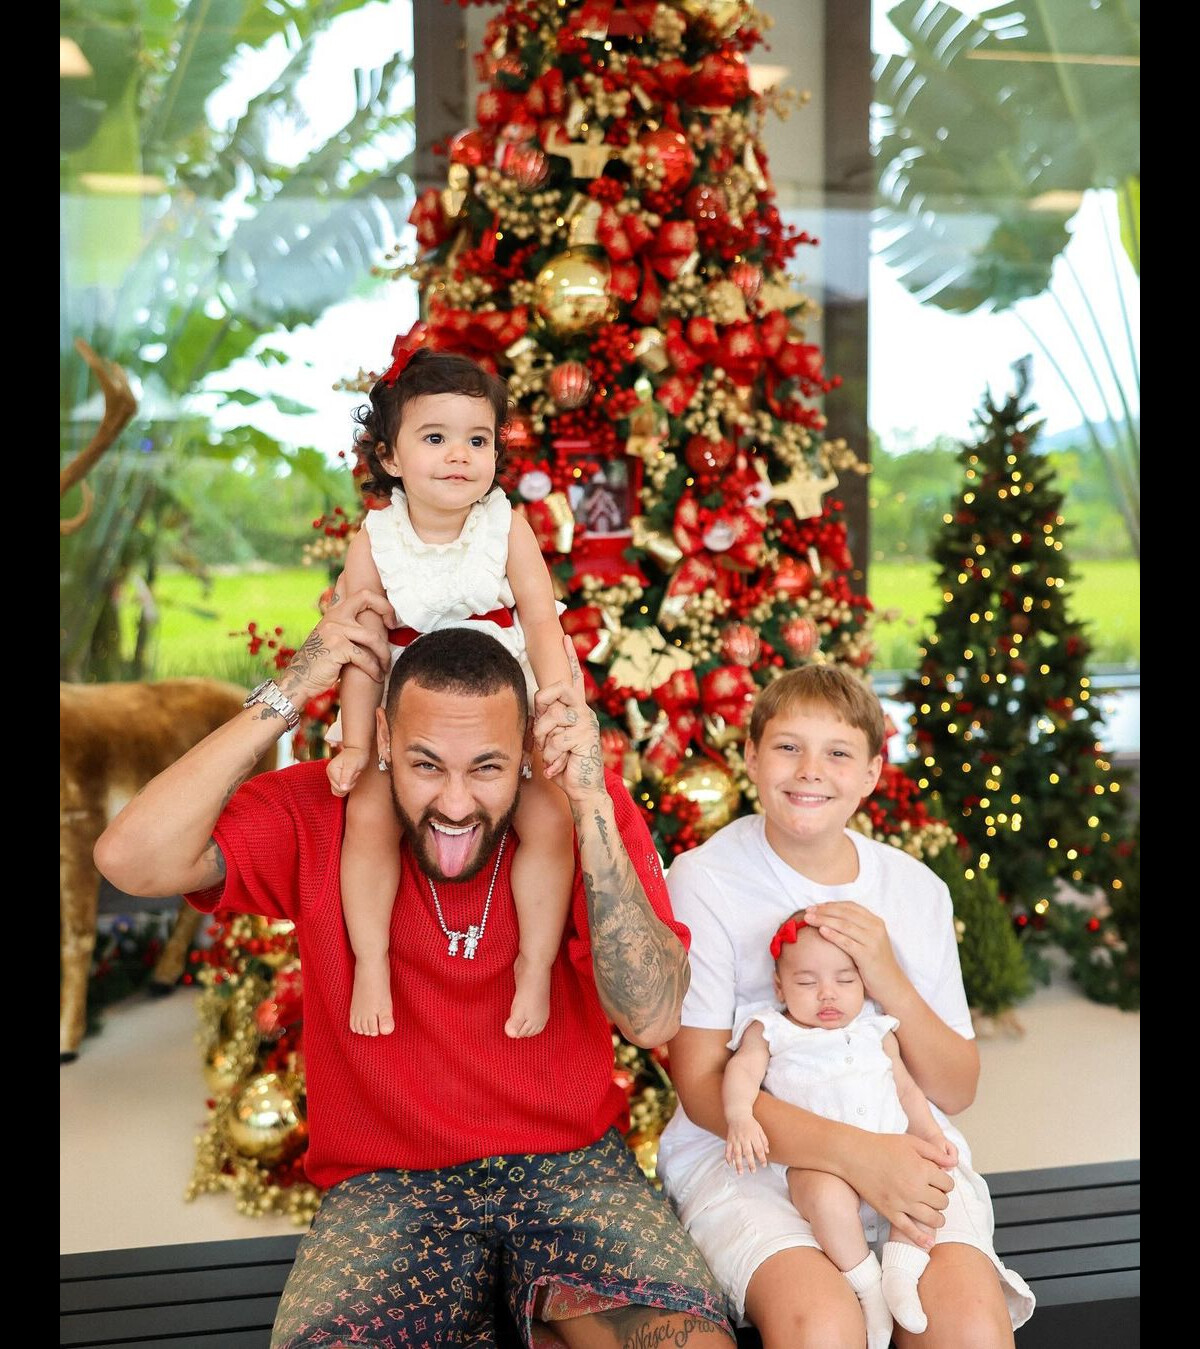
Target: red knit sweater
x: 447, y: 1086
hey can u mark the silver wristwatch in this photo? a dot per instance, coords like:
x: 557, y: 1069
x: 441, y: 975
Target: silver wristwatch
x: 272, y: 695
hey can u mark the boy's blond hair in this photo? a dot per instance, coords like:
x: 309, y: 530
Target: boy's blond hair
x: 827, y: 686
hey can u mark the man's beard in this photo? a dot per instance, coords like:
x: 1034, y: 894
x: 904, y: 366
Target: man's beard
x: 418, y: 832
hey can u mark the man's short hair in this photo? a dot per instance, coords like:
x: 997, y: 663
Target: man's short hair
x: 847, y: 697
x: 464, y: 661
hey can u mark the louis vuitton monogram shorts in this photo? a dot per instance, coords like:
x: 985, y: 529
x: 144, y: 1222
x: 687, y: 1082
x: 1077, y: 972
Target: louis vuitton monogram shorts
x: 411, y: 1258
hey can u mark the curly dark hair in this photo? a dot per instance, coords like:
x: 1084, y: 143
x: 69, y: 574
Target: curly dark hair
x: 427, y: 372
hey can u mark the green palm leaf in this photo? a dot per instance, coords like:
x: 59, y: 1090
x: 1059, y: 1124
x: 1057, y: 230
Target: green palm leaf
x: 983, y: 161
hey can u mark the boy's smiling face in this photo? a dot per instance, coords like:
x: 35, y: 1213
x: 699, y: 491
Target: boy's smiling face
x: 812, y: 770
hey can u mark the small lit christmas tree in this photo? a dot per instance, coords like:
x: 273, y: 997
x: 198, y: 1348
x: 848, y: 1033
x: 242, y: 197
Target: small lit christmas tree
x: 1006, y: 725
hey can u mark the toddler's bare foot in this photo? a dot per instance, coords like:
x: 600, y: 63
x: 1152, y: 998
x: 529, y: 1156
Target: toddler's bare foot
x: 531, y: 1006
x: 371, y: 1002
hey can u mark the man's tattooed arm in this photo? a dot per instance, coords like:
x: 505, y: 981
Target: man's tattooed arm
x: 640, y: 966
x: 213, y: 860
x: 299, y: 670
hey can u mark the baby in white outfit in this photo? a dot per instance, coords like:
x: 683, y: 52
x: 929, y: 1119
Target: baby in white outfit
x: 825, y: 1054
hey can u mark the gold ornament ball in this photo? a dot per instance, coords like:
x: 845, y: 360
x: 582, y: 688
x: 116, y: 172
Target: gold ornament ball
x: 266, y: 1123
x: 710, y: 787
x: 571, y: 292
x: 644, y: 1146
x: 220, y: 1071
x: 722, y: 16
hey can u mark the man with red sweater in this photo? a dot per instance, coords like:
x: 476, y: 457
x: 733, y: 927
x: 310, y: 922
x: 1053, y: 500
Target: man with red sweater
x: 457, y: 1160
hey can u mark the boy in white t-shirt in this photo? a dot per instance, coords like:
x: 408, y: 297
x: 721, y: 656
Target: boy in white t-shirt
x: 814, y: 751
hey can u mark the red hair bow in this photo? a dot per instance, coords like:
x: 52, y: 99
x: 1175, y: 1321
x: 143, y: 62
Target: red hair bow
x: 401, y: 355
x: 788, y: 931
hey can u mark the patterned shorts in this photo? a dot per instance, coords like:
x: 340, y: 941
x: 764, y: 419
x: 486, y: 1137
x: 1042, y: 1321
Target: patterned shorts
x: 409, y: 1258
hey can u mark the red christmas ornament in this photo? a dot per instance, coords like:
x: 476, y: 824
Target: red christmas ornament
x: 747, y: 278
x: 518, y: 434
x: 470, y: 147
x: 801, y: 637
x: 670, y: 150
x: 702, y: 453
x: 526, y: 165
x: 740, y: 644
x: 570, y: 384
x: 706, y: 203
x: 793, y: 577
x: 721, y: 81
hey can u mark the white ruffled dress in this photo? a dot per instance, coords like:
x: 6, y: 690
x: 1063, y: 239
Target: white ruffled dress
x: 444, y: 585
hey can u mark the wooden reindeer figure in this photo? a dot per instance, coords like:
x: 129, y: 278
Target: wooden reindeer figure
x: 113, y: 738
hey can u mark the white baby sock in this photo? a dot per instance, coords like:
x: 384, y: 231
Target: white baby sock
x: 903, y: 1265
x: 866, y: 1278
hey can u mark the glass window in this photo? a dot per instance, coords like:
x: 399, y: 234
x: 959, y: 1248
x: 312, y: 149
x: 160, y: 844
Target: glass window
x: 1007, y: 154
x: 225, y: 194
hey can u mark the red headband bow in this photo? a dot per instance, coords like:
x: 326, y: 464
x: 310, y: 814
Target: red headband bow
x: 788, y: 932
x: 401, y: 355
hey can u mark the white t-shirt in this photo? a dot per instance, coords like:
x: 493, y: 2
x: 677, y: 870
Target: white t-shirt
x: 735, y: 890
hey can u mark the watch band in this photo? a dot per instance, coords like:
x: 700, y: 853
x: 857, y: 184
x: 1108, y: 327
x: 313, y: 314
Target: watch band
x: 269, y: 693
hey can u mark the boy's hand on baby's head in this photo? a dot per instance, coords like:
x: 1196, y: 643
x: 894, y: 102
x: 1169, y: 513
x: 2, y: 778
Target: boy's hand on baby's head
x: 863, y: 936
x: 744, y: 1143
x: 345, y: 770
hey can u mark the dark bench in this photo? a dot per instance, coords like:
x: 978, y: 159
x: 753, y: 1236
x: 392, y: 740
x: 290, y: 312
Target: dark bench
x: 1072, y: 1232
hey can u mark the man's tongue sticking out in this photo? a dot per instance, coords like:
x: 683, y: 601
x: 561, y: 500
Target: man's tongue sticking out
x: 453, y: 845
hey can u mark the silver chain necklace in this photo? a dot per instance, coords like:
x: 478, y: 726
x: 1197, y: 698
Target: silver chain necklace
x: 474, y: 934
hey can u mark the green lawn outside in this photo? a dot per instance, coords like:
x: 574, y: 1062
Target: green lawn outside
x: 1105, y: 595
x: 195, y: 623
x: 193, y: 634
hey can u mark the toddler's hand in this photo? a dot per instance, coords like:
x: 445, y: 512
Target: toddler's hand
x: 345, y: 770
x: 744, y: 1143
x: 951, y: 1152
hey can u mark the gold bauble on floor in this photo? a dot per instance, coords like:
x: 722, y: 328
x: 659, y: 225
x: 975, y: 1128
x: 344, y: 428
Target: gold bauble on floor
x: 266, y: 1122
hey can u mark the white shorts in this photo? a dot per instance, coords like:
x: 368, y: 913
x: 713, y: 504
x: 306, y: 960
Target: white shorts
x: 740, y: 1221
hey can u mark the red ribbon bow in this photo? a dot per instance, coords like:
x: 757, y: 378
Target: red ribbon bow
x: 429, y: 217
x: 638, y: 253
x: 404, y: 348
x: 788, y: 931
x: 478, y: 333
x: 728, y: 692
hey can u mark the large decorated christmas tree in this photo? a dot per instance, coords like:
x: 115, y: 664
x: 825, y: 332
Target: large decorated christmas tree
x: 1006, y: 722
x: 608, y: 241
